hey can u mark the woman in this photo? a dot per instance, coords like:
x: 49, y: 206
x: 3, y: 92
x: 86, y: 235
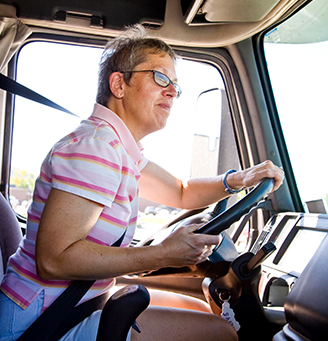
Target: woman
x: 86, y: 198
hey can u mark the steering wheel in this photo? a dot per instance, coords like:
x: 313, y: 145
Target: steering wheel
x: 217, y: 225
x: 224, y: 220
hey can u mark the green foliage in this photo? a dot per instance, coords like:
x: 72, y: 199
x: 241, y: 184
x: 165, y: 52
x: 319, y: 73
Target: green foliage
x: 23, y: 179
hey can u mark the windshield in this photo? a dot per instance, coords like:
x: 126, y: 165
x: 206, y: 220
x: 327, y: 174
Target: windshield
x: 296, y: 53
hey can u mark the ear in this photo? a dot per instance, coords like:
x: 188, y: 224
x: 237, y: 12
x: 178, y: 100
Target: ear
x: 116, y: 84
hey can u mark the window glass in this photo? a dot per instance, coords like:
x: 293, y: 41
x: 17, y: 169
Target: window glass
x: 67, y: 74
x: 296, y: 53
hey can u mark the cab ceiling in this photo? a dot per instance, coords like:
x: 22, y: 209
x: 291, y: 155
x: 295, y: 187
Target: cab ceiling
x: 205, y: 23
x: 113, y: 14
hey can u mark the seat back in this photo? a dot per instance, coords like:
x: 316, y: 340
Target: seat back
x: 306, y: 306
x: 10, y: 233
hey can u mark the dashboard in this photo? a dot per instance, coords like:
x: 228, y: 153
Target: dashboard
x: 296, y: 236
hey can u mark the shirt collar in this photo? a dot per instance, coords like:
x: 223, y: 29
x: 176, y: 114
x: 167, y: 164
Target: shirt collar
x: 132, y: 147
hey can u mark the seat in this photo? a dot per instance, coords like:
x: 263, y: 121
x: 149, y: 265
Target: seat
x: 10, y: 233
x: 306, y: 305
x: 119, y: 312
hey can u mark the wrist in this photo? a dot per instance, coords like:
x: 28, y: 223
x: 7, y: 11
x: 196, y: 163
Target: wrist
x: 231, y: 186
x: 160, y: 256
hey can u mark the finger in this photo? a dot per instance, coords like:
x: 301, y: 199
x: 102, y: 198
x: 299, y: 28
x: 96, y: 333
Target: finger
x: 203, y: 257
x: 278, y: 177
x: 202, y: 239
x: 268, y: 169
x: 277, y: 184
x: 207, y: 251
x: 192, y: 227
x: 201, y: 260
x: 210, y: 240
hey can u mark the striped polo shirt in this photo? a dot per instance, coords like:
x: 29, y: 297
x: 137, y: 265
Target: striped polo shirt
x: 99, y: 161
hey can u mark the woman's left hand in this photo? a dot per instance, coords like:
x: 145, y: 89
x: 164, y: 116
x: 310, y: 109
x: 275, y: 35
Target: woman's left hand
x: 252, y: 176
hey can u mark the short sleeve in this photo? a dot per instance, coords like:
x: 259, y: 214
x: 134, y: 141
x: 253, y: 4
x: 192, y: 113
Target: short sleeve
x: 90, y: 168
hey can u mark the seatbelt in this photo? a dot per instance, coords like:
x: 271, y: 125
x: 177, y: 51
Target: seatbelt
x: 60, y: 310
x: 15, y: 88
x: 52, y: 324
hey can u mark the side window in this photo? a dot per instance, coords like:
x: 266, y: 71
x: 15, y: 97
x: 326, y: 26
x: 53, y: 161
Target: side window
x: 198, y: 136
x: 67, y: 75
x: 296, y: 53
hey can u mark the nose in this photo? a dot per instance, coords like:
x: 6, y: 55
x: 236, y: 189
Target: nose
x: 170, y: 91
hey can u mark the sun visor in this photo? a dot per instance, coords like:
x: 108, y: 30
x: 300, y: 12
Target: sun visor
x: 226, y: 11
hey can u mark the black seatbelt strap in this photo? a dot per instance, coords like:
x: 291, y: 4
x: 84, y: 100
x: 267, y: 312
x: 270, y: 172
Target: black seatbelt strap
x: 62, y: 315
x: 60, y: 310
x: 15, y: 88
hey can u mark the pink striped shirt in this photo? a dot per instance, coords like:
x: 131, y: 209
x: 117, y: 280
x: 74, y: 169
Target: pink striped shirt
x: 99, y: 161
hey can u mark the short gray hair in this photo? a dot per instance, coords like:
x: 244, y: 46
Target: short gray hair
x: 124, y: 53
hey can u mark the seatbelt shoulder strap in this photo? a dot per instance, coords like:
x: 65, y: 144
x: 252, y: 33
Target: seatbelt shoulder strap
x: 15, y: 88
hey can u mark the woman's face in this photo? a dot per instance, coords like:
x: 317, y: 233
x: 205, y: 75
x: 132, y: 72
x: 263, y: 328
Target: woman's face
x: 147, y: 105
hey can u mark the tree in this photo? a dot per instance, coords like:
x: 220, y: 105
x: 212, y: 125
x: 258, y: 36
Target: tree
x: 23, y: 179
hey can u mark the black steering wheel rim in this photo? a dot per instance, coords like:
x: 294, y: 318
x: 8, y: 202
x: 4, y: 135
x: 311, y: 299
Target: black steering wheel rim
x: 224, y: 220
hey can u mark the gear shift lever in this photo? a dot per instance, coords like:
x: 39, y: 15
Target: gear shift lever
x: 260, y: 256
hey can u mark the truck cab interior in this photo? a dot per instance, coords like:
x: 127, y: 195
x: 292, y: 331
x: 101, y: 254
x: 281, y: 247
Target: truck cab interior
x: 253, y: 77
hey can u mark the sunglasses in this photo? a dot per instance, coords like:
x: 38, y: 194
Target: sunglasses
x: 160, y: 79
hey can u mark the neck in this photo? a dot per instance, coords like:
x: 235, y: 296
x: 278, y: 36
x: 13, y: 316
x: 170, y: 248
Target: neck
x: 116, y: 106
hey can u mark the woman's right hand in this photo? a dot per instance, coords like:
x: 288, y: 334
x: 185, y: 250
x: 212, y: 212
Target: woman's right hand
x: 184, y: 247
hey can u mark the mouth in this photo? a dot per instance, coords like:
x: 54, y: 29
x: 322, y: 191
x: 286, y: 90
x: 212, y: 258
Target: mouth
x: 166, y: 106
